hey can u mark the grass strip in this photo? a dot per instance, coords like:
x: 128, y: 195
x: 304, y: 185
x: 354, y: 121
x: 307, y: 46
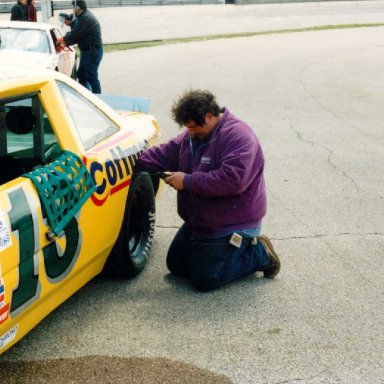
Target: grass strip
x: 155, y: 43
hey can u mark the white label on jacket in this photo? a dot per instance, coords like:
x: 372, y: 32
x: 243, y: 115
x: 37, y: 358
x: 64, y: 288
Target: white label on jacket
x: 236, y: 240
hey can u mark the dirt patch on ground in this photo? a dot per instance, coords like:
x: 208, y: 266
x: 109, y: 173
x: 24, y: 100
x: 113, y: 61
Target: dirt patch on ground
x: 107, y: 369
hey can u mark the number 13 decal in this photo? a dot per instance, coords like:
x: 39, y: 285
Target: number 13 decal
x: 57, y: 263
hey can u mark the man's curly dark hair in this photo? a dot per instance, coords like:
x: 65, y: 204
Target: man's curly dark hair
x: 193, y: 105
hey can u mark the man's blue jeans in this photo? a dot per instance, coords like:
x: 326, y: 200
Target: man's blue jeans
x: 88, y: 69
x: 213, y: 262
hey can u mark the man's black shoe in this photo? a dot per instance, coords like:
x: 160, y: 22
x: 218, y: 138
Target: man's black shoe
x: 273, y: 267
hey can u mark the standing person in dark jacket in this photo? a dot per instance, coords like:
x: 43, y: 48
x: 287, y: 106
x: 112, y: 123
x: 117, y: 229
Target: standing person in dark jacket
x: 19, y: 11
x: 86, y: 33
x: 216, y: 165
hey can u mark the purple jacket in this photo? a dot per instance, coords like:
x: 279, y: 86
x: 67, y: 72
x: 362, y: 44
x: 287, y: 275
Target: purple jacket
x: 224, y: 188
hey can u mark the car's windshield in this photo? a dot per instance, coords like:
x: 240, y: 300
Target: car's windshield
x: 24, y: 40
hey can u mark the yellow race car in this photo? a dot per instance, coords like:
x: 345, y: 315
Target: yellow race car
x: 70, y: 207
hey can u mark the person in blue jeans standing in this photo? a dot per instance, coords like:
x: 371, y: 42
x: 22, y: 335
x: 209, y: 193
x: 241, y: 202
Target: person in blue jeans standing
x: 86, y: 33
x: 216, y: 165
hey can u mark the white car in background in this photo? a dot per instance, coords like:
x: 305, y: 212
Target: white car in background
x: 34, y: 45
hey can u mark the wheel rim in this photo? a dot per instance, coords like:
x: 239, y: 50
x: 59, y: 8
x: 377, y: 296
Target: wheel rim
x: 138, y: 229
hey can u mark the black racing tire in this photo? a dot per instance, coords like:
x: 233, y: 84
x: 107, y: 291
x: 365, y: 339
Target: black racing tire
x: 131, y: 250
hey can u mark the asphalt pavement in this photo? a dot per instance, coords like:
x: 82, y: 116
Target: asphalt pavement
x: 153, y: 23
x: 129, y: 24
x: 315, y: 99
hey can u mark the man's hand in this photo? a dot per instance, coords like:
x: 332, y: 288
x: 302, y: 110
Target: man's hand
x: 176, y: 180
x: 60, y: 40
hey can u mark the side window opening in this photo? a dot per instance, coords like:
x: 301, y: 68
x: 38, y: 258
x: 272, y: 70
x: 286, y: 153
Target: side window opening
x: 54, y: 39
x: 27, y: 140
x: 55, y: 35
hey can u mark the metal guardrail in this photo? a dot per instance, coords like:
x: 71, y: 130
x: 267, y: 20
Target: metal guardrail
x: 6, y: 6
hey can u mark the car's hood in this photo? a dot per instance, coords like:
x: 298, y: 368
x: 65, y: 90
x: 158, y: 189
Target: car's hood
x: 29, y: 59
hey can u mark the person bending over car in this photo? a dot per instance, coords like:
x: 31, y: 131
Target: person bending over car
x: 216, y: 165
x: 86, y: 33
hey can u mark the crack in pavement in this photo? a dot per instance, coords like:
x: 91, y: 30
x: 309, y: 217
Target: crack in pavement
x: 335, y: 117
x: 330, y: 153
x: 301, y: 379
x: 302, y: 237
x: 327, y: 235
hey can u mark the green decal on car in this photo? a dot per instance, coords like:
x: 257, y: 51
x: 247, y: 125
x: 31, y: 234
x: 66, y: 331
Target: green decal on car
x: 21, y: 220
x: 57, y: 265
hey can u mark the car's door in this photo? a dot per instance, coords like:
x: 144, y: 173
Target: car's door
x: 33, y: 266
x: 66, y: 56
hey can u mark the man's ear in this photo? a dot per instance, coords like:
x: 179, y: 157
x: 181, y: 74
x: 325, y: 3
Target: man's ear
x: 208, y: 117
